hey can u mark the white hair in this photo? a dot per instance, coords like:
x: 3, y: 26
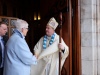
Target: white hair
x: 19, y: 24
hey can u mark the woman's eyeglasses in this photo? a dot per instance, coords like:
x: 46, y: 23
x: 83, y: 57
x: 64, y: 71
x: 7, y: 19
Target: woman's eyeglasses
x: 27, y: 28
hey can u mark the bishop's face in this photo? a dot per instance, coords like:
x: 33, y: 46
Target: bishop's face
x: 49, y: 30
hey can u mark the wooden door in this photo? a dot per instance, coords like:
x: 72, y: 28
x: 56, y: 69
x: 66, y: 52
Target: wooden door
x: 70, y: 30
x: 76, y: 38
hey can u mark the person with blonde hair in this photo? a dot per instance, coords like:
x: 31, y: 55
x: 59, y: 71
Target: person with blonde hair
x: 18, y: 57
x: 47, y: 51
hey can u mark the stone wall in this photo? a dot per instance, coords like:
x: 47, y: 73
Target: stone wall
x: 90, y: 37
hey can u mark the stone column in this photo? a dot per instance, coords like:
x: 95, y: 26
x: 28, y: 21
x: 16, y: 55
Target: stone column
x: 98, y: 37
x: 88, y: 37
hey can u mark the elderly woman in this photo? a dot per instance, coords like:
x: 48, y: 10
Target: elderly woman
x: 47, y: 51
x: 18, y: 57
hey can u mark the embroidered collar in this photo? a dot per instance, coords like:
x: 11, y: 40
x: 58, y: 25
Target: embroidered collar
x: 45, y: 41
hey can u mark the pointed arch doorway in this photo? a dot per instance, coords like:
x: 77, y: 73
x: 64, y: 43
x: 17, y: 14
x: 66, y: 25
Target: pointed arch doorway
x: 70, y: 29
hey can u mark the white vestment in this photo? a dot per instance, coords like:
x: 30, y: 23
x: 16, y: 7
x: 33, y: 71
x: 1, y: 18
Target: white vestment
x: 48, y: 59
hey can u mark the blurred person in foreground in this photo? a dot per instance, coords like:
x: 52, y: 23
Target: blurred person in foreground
x: 47, y: 52
x: 3, y: 31
x: 18, y: 57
